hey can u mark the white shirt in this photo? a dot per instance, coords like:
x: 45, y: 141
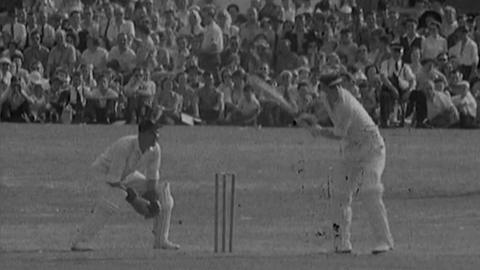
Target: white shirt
x: 212, y: 35
x: 441, y: 102
x: 432, y: 47
x: 466, y: 104
x: 47, y: 35
x: 349, y: 117
x: 19, y: 34
x: 403, y: 71
x: 465, y: 53
x: 124, y: 157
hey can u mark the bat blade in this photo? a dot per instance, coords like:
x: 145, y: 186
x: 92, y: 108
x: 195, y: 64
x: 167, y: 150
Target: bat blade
x: 271, y: 92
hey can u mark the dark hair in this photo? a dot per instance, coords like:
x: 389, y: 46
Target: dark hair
x: 235, y: 6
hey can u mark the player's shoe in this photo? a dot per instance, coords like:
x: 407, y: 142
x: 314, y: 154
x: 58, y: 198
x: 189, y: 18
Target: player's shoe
x: 80, y: 247
x: 167, y: 245
x: 381, y: 248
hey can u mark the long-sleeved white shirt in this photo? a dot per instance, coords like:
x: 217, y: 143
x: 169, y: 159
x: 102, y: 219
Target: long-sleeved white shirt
x: 124, y: 157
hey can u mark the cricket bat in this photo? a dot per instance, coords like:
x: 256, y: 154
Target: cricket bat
x: 260, y: 85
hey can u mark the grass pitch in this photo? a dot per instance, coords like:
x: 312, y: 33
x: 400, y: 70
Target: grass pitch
x: 432, y: 197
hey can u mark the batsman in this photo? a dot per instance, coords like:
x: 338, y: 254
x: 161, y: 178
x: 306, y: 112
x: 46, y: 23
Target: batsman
x: 363, y: 161
x: 130, y: 167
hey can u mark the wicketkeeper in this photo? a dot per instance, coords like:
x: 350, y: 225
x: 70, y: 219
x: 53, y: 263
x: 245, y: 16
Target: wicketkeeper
x: 131, y: 165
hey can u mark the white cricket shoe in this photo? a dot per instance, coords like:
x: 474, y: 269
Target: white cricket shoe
x: 166, y: 245
x: 80, y: 247
x: 381, y: 248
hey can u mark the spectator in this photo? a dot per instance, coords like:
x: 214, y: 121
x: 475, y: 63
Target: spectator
x: 36, y: 51
x: 167, y: 103
x: 248, y: 109
x: 465, y: 53
x: 30, y: 26
x: 101, y: 102
x: 410, y: 40
x: 237, y: 17
x: 193, y: 27
x: 433, y: 44
x: 15, y: 29
x: 298, y: 36
x: 366, y: 32
x: 286, y: 59
x: 105, y: 24
x: 89, y: 24
x: 62, y: 55
x: 268, y: 10
x: 288, y: 10
x: 449, y: 21
x: 13, y: 102
x: 140, y: 94
x: 399, y: 81
x: 123, y: 55
x: 463, y: 100
x: 164, y: 58
x: 212, y: 44
x: 441, y: 112
x: 225, y: 22
x: 38, y: 103
x: 145, y: 48
x: 119, y: 25
x: 361, y: 58
x: 47, y: 32
x: 189, y: 96
x: 289, y: 92
x: 5, y: 74
x: 18, y: 70
x: 180, y: 54
x: 250, y: 29
x: 227, y: 86
x: 95, y: 55
x: 346, y: 46
x: 210, y: 100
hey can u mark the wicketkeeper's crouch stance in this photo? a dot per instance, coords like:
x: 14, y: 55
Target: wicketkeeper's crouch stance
x: 363, y: 161
x: 120, y: 168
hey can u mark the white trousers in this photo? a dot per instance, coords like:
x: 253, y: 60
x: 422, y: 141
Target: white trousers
x: 360, y: 171
x: 110, y: 200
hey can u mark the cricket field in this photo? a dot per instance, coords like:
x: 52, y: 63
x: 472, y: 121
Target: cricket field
x: 432, y: 197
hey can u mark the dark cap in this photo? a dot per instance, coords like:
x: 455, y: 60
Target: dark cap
x: 148, y: 126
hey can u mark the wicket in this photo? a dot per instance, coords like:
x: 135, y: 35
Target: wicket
x: 225, y: 177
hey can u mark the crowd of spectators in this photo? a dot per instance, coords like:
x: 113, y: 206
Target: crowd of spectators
x: 188, y: 61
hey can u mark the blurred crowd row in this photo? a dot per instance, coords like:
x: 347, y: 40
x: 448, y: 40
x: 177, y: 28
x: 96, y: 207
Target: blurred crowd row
x: 189, y: 62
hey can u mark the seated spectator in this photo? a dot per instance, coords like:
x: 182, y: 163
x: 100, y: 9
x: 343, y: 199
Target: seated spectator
x: 123, y: 55
x: 101, y: 102
x: 441, y: 111
x: 247, y: 110
x: 13, y: 102
x: 225, y: 23
x: 11, y: 50
x: 62, y: 55
x: 38, y: 100
x: 140, y: 94
x: 47, y: 32
x: 59, y: 96
x: 167, y: 103
x: 119, y: 26
x: 145, y: 48
x: 361, y: 58
x: 193, y: 26
x: 87, y: 74
x: 210, y: 100
x: 18, y: 70
x: 189, y: 96
x: 465, y: 103
x: 5, y: 74
x: 287, y: 89
x: 36, y: 51
x: 95, y: 55
x: 226, y: 87
x: 77, y: 99
x: 16, y: 29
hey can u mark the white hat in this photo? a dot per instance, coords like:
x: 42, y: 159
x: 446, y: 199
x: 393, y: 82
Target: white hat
x: 5, y: 60
x: 35, y: 78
